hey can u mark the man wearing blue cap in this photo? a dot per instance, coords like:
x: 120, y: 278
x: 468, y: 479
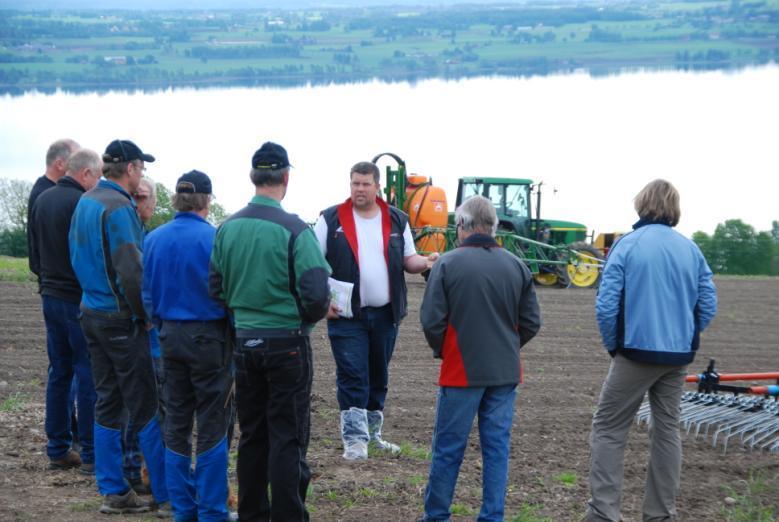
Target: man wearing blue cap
x: 105, y: 243
x: 267, y: 267
x: 197, y: 357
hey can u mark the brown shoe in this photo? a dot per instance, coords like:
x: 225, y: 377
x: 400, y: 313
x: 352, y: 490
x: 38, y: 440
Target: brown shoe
x: 70, y: 460
x: 127, y: 503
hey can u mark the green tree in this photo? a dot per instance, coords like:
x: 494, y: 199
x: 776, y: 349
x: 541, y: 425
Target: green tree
x: 14, y: 194
x: 163, y: 211
x: 217, y: 214
x: 735, y: 248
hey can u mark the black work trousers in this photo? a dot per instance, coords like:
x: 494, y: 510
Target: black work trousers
x: 121, y: 368
x: 273, y: 396
x: 196, y: 360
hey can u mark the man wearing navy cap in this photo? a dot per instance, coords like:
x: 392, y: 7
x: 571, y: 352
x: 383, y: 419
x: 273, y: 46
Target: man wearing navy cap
x: 267, y: 267
x: 196, y: 355
x: 105, y: 242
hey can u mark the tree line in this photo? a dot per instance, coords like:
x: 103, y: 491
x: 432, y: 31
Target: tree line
x: 14, y: 194
x: 734, y: 248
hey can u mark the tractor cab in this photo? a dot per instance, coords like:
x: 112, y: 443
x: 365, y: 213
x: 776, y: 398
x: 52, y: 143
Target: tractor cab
x: 509, y: 196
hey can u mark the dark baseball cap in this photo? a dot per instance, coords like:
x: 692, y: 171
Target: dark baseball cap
x: 193, y: 182
x: 125, y: 150
x: 270, y: 156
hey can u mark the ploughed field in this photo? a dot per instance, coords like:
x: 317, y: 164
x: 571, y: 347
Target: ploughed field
x: 564, y: 369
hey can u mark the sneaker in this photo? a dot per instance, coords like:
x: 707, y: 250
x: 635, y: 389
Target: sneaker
x: 140, y: 487
x: 87, y: 468
x: 70, y: 460
x: 126, y: 503
x: 164, y: 510
x: 356, y: 450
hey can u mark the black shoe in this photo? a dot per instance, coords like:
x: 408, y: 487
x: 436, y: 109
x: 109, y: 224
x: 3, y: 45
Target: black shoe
x: 87, y: 468
x: 127, y: 503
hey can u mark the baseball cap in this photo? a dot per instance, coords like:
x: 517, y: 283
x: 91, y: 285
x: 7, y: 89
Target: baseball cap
x: 270, y: 156
x: 125, y: 150
x: 193, y: 182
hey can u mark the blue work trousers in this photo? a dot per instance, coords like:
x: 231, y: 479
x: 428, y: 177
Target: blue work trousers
x: 455, y: 412
x: 362, y: 349
x: 68, y: 356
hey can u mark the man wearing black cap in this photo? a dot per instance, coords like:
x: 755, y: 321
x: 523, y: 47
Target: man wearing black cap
x: 267, y: 267
x: 196, y: 354
x: 105, y: 250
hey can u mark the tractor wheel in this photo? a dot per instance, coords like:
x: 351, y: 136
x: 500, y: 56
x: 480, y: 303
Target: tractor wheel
x: 581, y: 272
x: 545, y: 279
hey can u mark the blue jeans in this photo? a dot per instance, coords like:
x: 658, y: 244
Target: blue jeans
x: 454, y: 416
x: 362, y: 349
x: 68, y: 356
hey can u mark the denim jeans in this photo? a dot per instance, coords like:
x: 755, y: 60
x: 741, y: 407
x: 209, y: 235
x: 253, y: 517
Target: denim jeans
x: 68, y: 356
x: 273, y: 395
x: 454, y: 416
x: 362, y: 349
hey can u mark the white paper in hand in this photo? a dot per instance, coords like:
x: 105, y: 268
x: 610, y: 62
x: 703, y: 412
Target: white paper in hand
x: 341, y: 296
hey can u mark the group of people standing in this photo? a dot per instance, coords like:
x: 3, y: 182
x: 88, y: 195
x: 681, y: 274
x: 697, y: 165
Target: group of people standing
x: 175, y: 321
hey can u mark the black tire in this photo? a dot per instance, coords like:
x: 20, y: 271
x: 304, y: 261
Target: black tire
x: 584, y: 276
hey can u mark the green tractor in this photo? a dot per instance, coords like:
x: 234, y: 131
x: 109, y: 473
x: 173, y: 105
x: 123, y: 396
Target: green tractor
x: 512, y: 199
x: 556, y: 252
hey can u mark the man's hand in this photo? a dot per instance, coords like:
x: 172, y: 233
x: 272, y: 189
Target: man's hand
x: 333, y: 312
x: 431, y: 259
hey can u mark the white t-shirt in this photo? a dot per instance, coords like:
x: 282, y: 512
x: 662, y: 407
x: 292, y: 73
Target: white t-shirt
x: 374, y: 277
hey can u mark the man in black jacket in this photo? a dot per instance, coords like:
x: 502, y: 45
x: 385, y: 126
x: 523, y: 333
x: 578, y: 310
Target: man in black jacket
x: 67, y: 350
x: 56, y: 164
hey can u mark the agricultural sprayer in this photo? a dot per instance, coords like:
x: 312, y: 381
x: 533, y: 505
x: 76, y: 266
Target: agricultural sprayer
x: 748, y: 414
x: 555, y: 251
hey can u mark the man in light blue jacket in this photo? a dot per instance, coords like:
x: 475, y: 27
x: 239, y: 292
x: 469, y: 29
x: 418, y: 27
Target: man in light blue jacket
x: 656, y: 297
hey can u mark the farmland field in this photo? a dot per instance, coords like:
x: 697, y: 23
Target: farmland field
x: 564, y: 368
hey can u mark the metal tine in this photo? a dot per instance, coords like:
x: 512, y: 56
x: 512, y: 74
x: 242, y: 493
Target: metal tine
x: 762, y: 433
x: 742, y: 428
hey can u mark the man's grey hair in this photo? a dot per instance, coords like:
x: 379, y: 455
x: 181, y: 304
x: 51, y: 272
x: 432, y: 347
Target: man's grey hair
x: 60, y: 149
x: 268, y: 177
x: 152, y: 186
x: 84, y: 159
x: 477, y: 215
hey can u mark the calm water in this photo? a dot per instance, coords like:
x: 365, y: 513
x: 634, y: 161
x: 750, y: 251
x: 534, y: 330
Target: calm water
x: 594, y: 142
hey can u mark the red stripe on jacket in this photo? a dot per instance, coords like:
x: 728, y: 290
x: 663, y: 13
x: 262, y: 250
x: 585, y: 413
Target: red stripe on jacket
x: 452, y: 367
x: 346, y: 218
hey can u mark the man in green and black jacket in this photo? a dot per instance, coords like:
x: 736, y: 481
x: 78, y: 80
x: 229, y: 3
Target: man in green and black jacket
x: 267, y: 268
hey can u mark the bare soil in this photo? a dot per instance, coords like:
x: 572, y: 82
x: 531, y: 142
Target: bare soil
x: 564, y: 369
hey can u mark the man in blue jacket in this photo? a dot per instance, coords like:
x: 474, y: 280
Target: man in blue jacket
x: 655, y: 298
x: 105, y: 250
x: 196, y: 353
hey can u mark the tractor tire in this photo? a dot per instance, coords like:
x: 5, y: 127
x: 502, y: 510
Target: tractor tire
x: 582, y: 273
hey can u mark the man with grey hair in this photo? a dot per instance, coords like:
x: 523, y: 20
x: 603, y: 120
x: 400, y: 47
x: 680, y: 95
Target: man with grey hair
x: 61, y: 293
x: 56, y: 164
x: 267, y: 268
x: 145, y: 199
x: 478, y: 310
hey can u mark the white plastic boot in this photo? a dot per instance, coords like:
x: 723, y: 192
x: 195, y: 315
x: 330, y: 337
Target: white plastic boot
x: 375, y: 422
x: 354, y: 433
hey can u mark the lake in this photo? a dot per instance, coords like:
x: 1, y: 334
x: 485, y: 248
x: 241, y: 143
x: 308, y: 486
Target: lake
x: 592, y: 141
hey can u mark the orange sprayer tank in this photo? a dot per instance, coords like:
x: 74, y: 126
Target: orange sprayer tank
x: 426, y: 206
